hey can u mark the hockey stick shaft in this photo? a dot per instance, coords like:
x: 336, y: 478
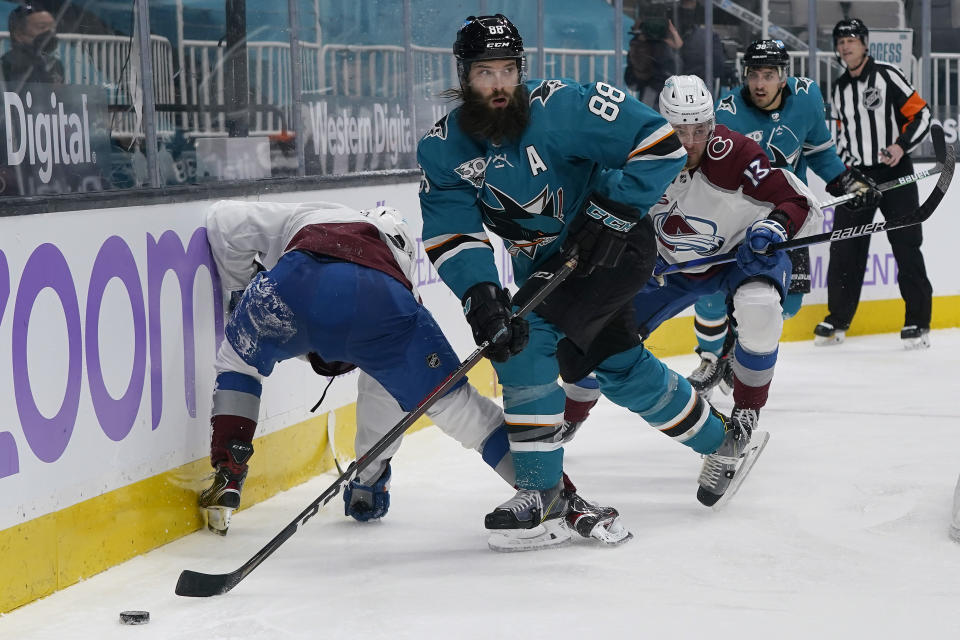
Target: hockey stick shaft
x: 946, y: 157
x: 196, y: 584
x: 888, y: 185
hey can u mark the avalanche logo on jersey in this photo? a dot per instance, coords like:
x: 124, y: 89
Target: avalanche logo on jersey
x: 784, y: 147
x: 679, y: 232
x: 525, y: 226
x: 727, y: 104
x: 546, y: 89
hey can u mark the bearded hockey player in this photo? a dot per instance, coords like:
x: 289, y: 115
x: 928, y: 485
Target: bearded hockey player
x: 785, y: 116
x: 524, y: 159
x: 338, y: 289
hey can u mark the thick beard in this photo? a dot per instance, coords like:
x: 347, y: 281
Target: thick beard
x: 482, y: 122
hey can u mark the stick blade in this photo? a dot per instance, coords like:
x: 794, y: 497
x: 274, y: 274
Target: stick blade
x: 939, y: 143
x: 203, y: 585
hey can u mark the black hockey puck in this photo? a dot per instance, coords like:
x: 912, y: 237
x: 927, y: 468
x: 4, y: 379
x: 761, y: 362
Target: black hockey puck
x: 134, y: 617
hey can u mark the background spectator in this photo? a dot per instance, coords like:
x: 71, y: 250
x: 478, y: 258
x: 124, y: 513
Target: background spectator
x: 33, y: 53
x: 651, y: 58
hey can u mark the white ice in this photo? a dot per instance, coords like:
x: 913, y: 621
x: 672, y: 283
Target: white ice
x: 840, y: 532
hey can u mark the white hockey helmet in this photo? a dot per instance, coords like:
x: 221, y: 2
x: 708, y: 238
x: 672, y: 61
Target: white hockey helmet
x: 686, y: 100
x: 394, y: 226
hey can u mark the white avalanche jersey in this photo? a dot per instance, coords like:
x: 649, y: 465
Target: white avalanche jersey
x: 707, y: 210
x: 241, y: 232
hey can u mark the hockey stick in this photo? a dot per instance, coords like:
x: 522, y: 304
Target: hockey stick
x: 889, y: 184
x: 946, y: 157
x: 202, y: 585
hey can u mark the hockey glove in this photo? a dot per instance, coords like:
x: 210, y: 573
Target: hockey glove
x: 368, y: 502
x: 598, y: 236
x: 752, y: 256
x: 489, y: 310
x: 854, y: 181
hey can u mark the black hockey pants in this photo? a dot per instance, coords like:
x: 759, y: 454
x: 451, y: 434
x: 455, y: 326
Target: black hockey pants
x: 848, y: 258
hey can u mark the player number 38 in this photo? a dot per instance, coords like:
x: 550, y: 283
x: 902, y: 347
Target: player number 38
x: 606, y: 109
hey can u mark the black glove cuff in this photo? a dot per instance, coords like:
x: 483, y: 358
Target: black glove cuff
x: 480, y: 297
x: 614, y: 215
x: 780, y: 216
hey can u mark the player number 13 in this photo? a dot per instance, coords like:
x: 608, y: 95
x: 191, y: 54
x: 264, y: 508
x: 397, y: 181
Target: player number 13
x: 606, y: 109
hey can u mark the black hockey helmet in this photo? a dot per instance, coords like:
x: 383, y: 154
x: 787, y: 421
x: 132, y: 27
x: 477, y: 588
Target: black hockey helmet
x: 766, y: 53
x: 487, y: 38
x: 851, y: 28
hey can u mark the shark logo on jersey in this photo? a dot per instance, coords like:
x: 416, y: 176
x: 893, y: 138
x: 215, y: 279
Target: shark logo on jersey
x: 784, y: 147
x: 546, y: 89
x: 727, y: 104
x: 439, y: 130
x: 524, y: 226
x: 679, y: 232
x: 872, y: 98
x: 473, y: 171
x: 804, y: 84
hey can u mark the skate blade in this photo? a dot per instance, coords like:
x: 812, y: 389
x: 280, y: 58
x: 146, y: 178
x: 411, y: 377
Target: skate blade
x: 758, y: 440
x: 915, y: 344
x: 826, y: 341
x: 553, y: 533
x: 611, y: 532
x: 955, y: 533
x: 218, y: 519
x: 725, y: 389
x: 705, y: 393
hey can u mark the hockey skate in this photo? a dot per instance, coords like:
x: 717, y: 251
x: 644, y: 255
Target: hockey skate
x: 222, y: 498
x: 569, y: 430
x: 725, y: 469
x: 726, y: 363
x: 532, y: 519
x: 708, y: 373
x: 914, y: 337
x: 591, y: 520
x: 826, y: 334
x: 726, y: 381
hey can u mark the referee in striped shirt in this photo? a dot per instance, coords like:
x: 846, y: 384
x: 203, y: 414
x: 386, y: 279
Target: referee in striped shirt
x: 880, y: 119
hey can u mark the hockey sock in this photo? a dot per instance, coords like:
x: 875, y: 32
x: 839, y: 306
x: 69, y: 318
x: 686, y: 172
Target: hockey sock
x: 582, y: 396
x: 236, y: 408
x: 495, y: 452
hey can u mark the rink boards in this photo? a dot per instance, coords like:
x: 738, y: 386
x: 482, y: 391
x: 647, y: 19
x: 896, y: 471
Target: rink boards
x: 109, y: 322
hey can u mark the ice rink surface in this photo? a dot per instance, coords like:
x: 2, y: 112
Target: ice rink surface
x: 839, y: 532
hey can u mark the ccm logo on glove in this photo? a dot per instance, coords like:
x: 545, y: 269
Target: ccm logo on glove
x: 608, y: 218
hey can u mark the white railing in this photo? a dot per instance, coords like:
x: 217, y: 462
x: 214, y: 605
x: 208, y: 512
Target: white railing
x: 104, y: 60
x: 946, y: 82
x: 436, y: 68
x: 361, y: 71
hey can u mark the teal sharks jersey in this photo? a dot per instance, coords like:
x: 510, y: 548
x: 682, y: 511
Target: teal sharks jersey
x: 795, y: 136
x: 528, y: 191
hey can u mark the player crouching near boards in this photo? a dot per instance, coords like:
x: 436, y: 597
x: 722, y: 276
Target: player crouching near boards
x: 338, y: 289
